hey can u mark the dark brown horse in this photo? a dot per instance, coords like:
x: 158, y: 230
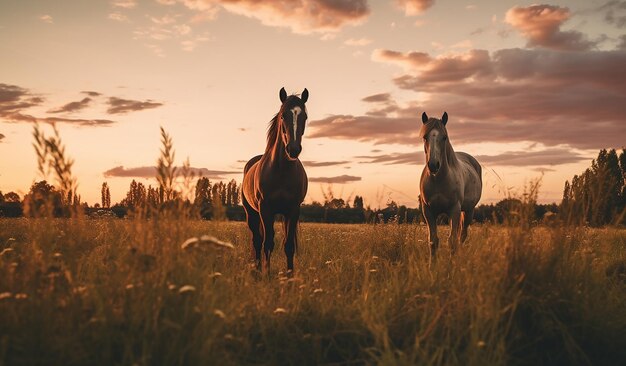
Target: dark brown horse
x: 275, y: 182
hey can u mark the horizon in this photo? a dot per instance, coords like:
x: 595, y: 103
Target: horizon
x: 532, y: 91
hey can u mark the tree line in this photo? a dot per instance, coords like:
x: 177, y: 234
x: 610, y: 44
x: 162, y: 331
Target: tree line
x: 596, y: 197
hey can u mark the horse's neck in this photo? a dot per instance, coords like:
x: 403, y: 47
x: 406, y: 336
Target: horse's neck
x: 275, y: 154
x: 450, y: 162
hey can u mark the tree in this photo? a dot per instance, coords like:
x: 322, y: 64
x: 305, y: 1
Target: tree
x: 43, y: 200
x: 358, y: 202
x: 12, y: 197
x: 105, y: 195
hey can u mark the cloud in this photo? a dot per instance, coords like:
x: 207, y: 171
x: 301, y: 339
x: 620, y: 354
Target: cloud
x: 378, y: 98
x: 615, y: 13
x: 544, y: 170
x: 151, y: 172
x: 316, y: 164
x: 2, y: 137
x: 540, y: 25
x: 549, y: 156
x: 541, y: 95
x: 14, y: 100
x: 341, y: 179
x: 46, y: 19
x: 125, y: 4
x: 92, y: 94
x: 73, y: 106
x: 118, y: 17
x: 120, y: 106
x: 414, y: 7
x: 357, y: 42
x: 301, y: 16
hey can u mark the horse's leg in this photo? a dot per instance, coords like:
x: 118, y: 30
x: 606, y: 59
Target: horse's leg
x: 455, y: 223
x: 468, y: 217
x: 267, y: 221
x: 431, y: 221
x: 291, y: 237
x: 254, y: 223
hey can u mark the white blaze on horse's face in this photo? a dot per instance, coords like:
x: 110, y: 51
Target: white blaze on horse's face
x: 292, y: 142
x: 295, y: 111
x: 434, y: 143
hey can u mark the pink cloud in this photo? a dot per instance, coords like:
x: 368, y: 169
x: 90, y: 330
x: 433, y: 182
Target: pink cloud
x: 541, y: 26
x: 414, y: 7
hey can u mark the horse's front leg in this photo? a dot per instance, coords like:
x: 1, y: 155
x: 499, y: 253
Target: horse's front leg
x: 455, y: 224
x: 291, y: 238
x: 267, y: 221
x: 431, y: 221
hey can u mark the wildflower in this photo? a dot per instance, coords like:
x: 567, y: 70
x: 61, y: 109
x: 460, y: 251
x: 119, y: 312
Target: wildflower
x: 57, y: 255
x: 481, y: 344
x: 21, y: 296
x: 218, y: 313
x: 171, y: 287
x: 5, y: 295
x: 130, y: 286
x: 373, y: 270
x: 328, y: 262
x: 318, y: 290
x: 374, y: 257
x: 215, y: 275
x: 6, y: 251
x: 280, y: 311
x: 11, y: 239
x: 206, y: 239
x: 186, y: 288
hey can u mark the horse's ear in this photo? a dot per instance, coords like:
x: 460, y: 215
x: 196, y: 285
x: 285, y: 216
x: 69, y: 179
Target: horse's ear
x: 305, y: 95
x: 424, y: 117
x: 283, y: 95
x: 444, y: 118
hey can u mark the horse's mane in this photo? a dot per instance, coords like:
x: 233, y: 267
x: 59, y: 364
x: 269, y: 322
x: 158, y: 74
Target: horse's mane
x: 272, y: 129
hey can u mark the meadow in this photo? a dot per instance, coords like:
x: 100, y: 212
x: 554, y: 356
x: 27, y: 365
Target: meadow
x: 84, y: 291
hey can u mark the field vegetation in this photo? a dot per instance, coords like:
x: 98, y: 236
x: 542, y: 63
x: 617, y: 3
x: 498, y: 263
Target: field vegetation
x: 108, y: 291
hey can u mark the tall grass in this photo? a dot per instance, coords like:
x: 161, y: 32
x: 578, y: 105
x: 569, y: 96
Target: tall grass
x: 124, y: 292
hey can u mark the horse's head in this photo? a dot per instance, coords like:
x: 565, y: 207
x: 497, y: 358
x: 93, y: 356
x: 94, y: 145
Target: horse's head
x: 435, y: 138
x: 292, y: 118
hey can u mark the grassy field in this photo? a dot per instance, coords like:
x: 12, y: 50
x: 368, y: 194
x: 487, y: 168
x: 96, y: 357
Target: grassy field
x: 106, y: 292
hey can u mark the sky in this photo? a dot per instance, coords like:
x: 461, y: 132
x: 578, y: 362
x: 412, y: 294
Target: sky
x: 533, y: 91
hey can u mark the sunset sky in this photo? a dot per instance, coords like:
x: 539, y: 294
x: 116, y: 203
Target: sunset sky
x: 530, y: 89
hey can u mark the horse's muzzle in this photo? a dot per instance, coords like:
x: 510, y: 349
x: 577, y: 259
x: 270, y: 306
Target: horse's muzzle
x: 433, y: 167
x: 293, y: 151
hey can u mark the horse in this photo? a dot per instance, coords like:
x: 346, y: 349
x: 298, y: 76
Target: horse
x: 276, y: 182
x: 451, y: 183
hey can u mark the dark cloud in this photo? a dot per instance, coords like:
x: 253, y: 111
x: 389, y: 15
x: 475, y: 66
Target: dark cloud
x: 301, y: 16
x: 550, y: 156
x: 414, y: 7
x: 614, y: 13
x: 378, y: 98
x: 544, y: 170
x: 341, y: 179
x: 120, y: 106
x: 151, y: 172
x: 316, y: 164
x: 92, y: 94
x: 555, y: 156
x: 14, y: 98
x: 83, y: 122
x: 538, y: 95
x: 2, y: 137
x: 540, y: 25
x: 73, y: 106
